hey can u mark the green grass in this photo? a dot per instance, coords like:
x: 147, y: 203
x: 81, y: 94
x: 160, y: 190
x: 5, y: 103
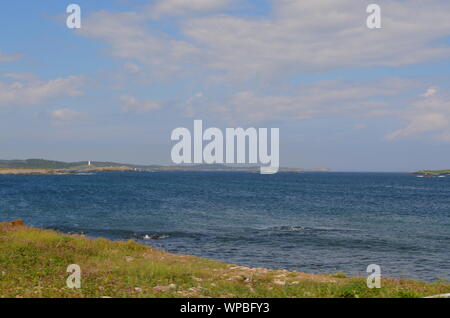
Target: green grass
x: 339, y: 275
x: 433, y: 172
x: 33, y: 263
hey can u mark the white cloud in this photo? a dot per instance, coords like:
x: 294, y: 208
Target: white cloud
x: 430, y: 92
x: 323, y: 99
x: 421, y: 123
x: 131, y: 67
x: 180, y: 7
x: 21, y: 76
x: 304, y: 36
x: 380, y: 99
x: 190, y: 106
x: 359, y: 126
x: 133, y: 105
x: 7, y: 57
x: 65, y: 116
x: 26, y: 93
x: 129, y: 39
x: 426, y: 116
x: 298, y: 37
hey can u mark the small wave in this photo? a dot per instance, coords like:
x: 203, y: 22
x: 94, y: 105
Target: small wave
x: 154, y: 237
x: 110, y: 233
x: 286, y: 228
x: 290, y: 228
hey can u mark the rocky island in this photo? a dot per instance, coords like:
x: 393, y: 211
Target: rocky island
x: 431, y: 173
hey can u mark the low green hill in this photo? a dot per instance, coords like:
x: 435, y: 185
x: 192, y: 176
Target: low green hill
x: 433, y: 172
x: 51, y: 164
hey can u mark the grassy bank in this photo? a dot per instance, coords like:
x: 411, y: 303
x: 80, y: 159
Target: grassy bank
x: 33, y: 263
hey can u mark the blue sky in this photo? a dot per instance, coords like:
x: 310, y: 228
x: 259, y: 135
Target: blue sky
x: 344, y: 97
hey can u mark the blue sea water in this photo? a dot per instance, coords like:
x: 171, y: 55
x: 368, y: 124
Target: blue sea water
x: 311, y: 222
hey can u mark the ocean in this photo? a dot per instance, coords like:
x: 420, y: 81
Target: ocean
x: 309, y: 222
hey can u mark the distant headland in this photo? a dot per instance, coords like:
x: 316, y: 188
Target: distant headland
x: 42, y: 166
x: 432, y: 173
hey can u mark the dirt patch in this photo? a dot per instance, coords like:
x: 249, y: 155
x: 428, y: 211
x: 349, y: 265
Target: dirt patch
x: 12, y: 225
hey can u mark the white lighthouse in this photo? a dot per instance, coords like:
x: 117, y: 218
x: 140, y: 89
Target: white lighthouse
x: 89, y: 163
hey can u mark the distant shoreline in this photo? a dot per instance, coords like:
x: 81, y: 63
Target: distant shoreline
x: 43, y: 167
x: 30, y: 171
x: 193, y: 168
x: 27, y: 171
